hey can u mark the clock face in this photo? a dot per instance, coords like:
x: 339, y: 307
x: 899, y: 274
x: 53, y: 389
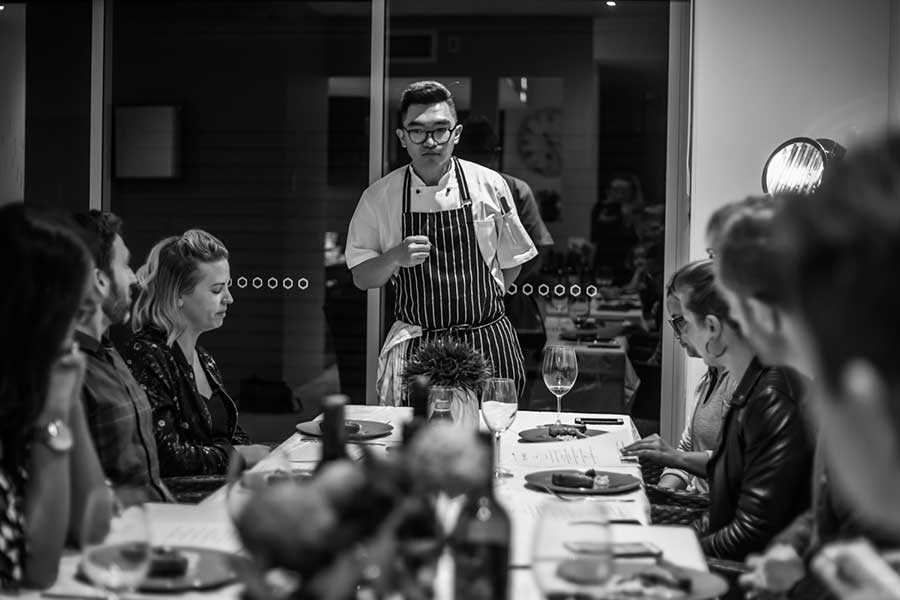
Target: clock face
x: 539, y: 142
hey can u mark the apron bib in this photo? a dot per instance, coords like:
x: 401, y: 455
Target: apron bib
x: 453, y: 292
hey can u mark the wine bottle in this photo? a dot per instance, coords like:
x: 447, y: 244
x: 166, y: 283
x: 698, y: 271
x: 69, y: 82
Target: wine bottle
x: 481, y: 540
x: 418, y: 399
x: 334, y: 429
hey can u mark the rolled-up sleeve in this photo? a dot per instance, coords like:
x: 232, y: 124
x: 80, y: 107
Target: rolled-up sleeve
x: 363, y: 234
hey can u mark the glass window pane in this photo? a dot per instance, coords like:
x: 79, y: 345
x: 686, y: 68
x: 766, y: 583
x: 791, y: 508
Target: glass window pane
x: 246, y: 123
x: 570, y: 99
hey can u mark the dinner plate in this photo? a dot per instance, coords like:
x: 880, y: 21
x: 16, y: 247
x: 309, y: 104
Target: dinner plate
x: 618, y: 482
x: 703, y: 585
x: 207, y: 569
x: 542, y: 434
x: 367, y: 429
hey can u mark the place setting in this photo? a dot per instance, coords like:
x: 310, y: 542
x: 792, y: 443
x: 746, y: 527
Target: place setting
x: 560, y: 370
x: 357, y: 429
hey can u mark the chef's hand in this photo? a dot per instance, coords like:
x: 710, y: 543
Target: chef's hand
x: 654, y: 449
x: 412, y: 251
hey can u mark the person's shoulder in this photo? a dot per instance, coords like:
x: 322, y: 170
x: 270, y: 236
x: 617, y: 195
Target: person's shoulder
x: 147, y: 340
x: 380, y: 191
x: 480, y: 173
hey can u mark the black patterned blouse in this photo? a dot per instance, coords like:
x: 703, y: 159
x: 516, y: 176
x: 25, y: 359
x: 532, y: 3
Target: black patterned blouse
x: 12, y: 529
x: 183, y: 427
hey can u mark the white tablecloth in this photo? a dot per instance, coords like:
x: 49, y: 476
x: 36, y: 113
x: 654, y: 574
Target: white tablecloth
x: 208, y: 524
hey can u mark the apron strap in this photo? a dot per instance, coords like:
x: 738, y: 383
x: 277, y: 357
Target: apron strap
x: 463, y: 185
x: 406, y: 192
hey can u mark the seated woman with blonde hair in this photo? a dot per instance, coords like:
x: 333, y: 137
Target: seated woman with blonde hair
x: 184, y: 293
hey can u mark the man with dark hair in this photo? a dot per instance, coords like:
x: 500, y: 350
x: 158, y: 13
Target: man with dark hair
x: 446, y: 234
x: 742, y: 236
x: 844, y: 245
x: 117, y: 409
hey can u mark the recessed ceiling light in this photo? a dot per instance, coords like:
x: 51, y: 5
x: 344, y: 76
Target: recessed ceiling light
x: 2, y: 7
x: 610, y: 3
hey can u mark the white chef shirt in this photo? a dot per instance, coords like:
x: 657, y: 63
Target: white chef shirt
x: 376, y: 226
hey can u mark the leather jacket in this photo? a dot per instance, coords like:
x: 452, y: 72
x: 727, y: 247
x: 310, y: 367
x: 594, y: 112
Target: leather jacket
x: 182, y: 423
x: 759, y: 476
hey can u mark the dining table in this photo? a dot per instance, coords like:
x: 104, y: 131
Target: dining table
x: 208, y: 524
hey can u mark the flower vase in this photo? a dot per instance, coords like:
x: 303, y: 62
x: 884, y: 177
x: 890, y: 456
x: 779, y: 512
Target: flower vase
x: 464, y: 408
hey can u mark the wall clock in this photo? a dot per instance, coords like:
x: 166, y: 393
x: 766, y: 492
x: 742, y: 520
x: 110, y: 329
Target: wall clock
x: 539, y: 142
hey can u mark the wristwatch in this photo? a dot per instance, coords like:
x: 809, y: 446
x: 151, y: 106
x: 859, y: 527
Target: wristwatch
x: 56, y: 435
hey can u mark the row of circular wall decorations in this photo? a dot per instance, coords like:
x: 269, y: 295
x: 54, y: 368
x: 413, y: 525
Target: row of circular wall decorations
x: 559, y: 290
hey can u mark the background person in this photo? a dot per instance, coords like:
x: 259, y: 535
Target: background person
x: 445, y: 232
x: 692, y: 297
x: 184, y: 293
x: 117, y: 409
x: 48, y: 466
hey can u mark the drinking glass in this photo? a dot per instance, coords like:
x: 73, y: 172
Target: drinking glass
x: 440, y: 403
x: 499, y: 405
x: 115, y: 540
x: 560, y: 369
x: 566, y: 531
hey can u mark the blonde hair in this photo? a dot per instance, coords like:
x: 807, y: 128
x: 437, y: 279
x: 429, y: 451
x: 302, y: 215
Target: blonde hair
x: 170, y: 271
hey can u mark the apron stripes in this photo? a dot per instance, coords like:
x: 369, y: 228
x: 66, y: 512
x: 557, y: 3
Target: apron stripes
x: 453, y: 292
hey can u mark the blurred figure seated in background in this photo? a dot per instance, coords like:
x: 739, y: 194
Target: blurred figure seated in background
x: 116, y: 407
x: 841, y: 247
x: 48, y: 466
x: 184, y: 293
x: 614, y: 221
x: 695, y: 306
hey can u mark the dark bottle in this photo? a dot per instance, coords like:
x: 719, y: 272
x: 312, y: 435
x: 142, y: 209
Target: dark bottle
x: 418, y: 399
x: 481, y: 539
x: 334, y: 429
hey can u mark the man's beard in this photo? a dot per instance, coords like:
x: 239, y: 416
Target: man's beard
x: 117, y: 307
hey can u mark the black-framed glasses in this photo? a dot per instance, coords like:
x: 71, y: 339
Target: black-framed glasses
x: 677, y: 322
x: 440, y: 135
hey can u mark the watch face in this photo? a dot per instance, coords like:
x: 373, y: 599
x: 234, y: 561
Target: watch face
x: 539, y: 142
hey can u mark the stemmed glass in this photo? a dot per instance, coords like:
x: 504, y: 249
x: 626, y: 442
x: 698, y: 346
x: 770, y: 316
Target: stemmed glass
x: 499, y: 405
x: 115, y: 540
x: 560, y: 369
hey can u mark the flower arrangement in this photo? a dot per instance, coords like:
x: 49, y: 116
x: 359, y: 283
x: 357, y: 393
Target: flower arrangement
x: 370, y: 523
x: 450, y: 363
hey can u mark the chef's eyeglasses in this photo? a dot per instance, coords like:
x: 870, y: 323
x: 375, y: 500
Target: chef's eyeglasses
x: 440, y: 135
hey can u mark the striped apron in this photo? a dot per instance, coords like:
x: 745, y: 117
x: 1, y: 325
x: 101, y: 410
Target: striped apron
x: 453, y: 292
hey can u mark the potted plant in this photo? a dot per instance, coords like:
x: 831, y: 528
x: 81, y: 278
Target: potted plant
x: 458, y: 368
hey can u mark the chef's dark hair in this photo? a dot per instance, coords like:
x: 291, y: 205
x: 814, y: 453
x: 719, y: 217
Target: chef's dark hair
x: 425, y: 92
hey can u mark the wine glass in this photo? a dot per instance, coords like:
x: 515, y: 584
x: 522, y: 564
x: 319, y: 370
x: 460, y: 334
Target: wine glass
x: 499, y: 405
x: 571, y: 551
x: 560, y: 369
x: 115, y: 539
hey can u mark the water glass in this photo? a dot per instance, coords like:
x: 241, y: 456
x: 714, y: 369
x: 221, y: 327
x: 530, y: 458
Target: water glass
x: 499, y: 406
x: 440, y: 403
x: 572, y: 531
x: 115, y: 540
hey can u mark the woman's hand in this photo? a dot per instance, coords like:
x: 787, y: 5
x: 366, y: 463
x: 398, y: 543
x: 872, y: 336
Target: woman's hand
x: 776, y: 571
x: 252, y: 454
x: 654, y: 449
x: 64, y: 384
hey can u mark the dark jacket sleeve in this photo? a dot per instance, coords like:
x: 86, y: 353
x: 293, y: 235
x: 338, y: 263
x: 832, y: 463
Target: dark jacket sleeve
x: 180, y: 452
x: 775, y: 479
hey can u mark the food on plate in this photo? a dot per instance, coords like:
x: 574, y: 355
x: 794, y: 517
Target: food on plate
x: 651, y: 582
x: 259, y: 479
x: 566, y: 430
x: 350, y: 427
x: 167, y: 562
x: 572, y: 480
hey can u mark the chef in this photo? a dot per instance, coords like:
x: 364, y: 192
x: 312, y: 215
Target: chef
x: 446, y: 234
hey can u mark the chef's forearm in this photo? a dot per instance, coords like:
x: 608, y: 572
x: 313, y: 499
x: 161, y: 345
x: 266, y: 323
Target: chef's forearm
x: 375, y: 272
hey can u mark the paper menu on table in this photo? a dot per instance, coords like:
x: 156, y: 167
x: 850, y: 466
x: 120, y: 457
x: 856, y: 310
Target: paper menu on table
x: 598, y: 451
x: 193, y: 525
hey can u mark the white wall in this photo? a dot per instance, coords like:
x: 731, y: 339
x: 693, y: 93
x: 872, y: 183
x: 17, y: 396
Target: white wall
x: 769, y: 70
x: 12, y: 103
